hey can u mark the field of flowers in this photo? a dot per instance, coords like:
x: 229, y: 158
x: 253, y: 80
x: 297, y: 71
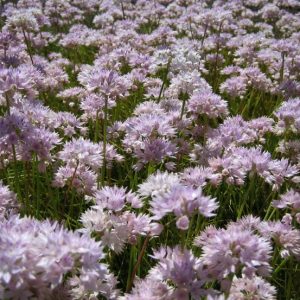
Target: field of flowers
x: 150, y: 149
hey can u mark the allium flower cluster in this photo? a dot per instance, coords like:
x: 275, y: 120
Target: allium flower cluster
x: 149, y: 289
x: 251, y: 288
x: 18, y: 135
x: 187, y: 83
x: 107, y: 82
x: 39, y: 258
x: 149, y: 136
x: 233, y: 251
x: 81, y: 151
x: 183, y: 202
x: 290, y: 199
x: 234, y: 166
x: 284, y: 235
x: 206, y: 103
x: 180, y: 269
x: 113, y: 223
x: 82, y: 160
x: 158, y: 184
x: 15, y: 79
x: 8, y: 202
x: 288, y: 116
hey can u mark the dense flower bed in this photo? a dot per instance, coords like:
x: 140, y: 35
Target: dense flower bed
x: 150, y: 149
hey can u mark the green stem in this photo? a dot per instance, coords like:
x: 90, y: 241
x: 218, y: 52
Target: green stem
x: 280, y: 266
x: 16, y: 172
x: 96, y: 133
x: 130, y: 267
x: 7, y: 103
x: 282, y: 67
x: 204, y: 34
x: 139, y: 260
x: 182, y: 108
x: 123, y: 10
x: 164, y: 81
x: 73, y: 176
x: 245, y: 110
x: 246, y: 197
x: 37, y: 185
x: 183, y: 239
x: 104, y: 141
x: 270, y: 207
x: 27, y: 45
x: 28, y: 176
x: 215, y: 78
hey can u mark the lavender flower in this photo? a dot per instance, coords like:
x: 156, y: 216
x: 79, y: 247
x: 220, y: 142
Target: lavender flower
x: 206, y: 103
x: 288, y: 116
x: 187, y: 83
x: 117, y: 228
x: 254, y: 288
x: 284, y: 235
x: 181, y: 269
x: 183, y: 202
x: 17, y: 132
x: 196, y: 177
x: 8, y: 201
x: 158, y: 184
x: 108, y: 83
x: 155, y: 151
x: 290, y: 199
x: 80, y: 151
x: 149, y: 289
x: 49, y: 254
x: 234, y: 250
x: 114, y: 198
x: 15, y: 79
x: 147, y: 126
